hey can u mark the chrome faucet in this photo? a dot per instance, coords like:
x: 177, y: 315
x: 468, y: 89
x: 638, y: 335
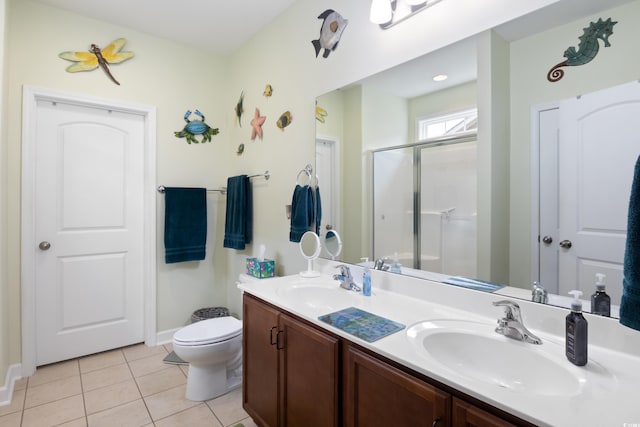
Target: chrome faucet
x: 346, y: 279
x: 539, y: 294
x: 511, y: 324
x: 379, y: 264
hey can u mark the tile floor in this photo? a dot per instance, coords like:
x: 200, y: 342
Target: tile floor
x: 129, y: 386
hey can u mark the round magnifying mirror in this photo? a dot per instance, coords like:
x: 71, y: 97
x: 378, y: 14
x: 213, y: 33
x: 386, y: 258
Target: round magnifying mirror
x: 310, y: 250
x: 332, y: 244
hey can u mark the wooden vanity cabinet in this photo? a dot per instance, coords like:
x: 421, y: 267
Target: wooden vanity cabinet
x: 290, y: 369
x: 468, y: 415
x: 377, y: 394
x: 296, y: 374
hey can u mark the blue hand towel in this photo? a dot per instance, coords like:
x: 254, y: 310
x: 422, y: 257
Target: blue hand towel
x: 238, y: 224
x: 630, y: 304
x: 301, y: 212
x: 318, y: 211
x: 185, y: 224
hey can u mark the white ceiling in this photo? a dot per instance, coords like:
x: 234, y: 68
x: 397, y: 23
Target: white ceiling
x: 217, y: 26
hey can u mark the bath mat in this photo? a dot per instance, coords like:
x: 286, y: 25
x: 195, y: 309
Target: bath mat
x: 362, y: 324
x: 173, y: 359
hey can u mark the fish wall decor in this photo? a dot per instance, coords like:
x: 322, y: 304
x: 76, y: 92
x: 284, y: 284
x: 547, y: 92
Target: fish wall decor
x: 268, y: 91
x: 587, y: 48
x: 239, y: 109
x: 284, y: 120
x: 96, y: 57
x: 196, y: 127
x: 321, y: 113
x: 333, y: 25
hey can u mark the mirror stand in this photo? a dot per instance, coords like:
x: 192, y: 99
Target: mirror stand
x: 310, y: 250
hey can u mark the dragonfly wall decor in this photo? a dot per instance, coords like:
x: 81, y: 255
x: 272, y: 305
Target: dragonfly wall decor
x: 96, y: 57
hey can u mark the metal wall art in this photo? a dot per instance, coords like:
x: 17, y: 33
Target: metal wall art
x: 587, y: 48
x: 96, y: 57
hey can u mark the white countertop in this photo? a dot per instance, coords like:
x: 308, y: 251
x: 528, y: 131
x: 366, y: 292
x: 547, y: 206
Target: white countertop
x: 610, y: 396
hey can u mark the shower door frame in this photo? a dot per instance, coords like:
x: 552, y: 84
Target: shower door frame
x: 417, y: 186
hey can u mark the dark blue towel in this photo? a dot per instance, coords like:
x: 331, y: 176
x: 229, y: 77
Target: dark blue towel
x: 318, y: 211
x: 238, y: 223
x: 302, y: 214
x: 185, y: 224
x: 630, y: 304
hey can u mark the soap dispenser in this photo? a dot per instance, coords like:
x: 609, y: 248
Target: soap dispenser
x: 366, y: 282
x: 576, y: 332
x: 600, y: 301
x: 396, y: 267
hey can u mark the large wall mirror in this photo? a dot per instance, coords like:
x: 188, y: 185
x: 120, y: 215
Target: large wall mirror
x: 464, y: 177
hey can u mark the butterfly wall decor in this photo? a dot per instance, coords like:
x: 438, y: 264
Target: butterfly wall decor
x: 96, y: 57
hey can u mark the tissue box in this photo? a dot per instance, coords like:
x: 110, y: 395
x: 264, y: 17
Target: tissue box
x: 260, y: 269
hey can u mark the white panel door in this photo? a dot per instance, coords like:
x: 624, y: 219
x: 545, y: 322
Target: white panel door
x: 599, y: 145
x: 325, y: 164
x: 89, y: 230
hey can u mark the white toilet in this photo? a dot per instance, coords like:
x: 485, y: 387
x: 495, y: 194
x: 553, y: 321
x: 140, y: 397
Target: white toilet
x: 213, y: 348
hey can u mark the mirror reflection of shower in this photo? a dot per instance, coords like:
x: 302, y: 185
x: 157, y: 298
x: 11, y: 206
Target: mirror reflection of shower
x: 430, y: 190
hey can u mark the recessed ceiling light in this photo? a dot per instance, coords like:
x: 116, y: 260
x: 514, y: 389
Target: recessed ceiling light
x: 440, y: 78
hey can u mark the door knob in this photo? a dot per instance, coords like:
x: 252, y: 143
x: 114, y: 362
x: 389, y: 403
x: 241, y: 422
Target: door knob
x: 566, y: 244
x: 547, y: 240
x: 44, y: 245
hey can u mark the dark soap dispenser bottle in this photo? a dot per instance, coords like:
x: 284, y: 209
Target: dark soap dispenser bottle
x: 600, y: 301
x: 576, y: 332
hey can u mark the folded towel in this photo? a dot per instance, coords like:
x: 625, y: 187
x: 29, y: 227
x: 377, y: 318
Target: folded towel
x: 318, y: 211
x: 185, y: 224
x: 238, y: 224
x: 630, y: 304
x: 302, y: 214
x: 476, y: 284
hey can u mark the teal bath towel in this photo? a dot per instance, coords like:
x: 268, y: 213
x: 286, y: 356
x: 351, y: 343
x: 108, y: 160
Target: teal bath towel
x: 185, y: 224
x: 630, y: 305
x: 238, y: 224
x: 302, y: 215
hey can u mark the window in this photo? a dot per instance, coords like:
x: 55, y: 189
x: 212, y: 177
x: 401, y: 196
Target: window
x: 447, y: 125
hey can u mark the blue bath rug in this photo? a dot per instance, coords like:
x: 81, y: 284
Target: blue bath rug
x: 173, y: 359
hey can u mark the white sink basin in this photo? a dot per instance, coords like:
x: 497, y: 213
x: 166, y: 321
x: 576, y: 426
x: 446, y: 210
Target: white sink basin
x: 320, y: 296
x: 475, y: 351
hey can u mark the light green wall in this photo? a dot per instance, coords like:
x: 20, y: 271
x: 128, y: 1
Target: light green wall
x: 5, y: 359
x: 175, y: 78
x: 164, y: 74
x: 531, y: 59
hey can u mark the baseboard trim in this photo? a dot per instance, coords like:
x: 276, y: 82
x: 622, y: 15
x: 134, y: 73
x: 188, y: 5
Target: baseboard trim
x: 166, y: 337
x: 6, y: 391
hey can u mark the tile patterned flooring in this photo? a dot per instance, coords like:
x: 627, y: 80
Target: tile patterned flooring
x: 130, y: 386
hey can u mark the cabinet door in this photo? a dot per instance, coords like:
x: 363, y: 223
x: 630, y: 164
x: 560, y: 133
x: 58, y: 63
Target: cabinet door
x: 259, y: 362
x: 309, y: 365
x: 378, y: 394
x: 467, y: 415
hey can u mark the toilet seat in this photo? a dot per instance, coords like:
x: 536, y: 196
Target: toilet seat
x: 209, y: 331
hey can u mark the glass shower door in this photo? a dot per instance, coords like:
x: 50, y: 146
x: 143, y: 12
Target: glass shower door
x: 393, y: 224
x: 448, y: 208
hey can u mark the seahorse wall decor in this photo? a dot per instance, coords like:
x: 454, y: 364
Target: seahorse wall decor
x: 587, y: 48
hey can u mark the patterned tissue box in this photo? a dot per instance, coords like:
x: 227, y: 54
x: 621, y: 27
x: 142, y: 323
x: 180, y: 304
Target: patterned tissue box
x: 260, y: 269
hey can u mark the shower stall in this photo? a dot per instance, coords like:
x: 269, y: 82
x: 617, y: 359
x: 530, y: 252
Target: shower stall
x: 425, y: 205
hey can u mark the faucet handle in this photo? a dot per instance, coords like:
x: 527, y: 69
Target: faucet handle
x: 344, y: 270
x: 511, y: 309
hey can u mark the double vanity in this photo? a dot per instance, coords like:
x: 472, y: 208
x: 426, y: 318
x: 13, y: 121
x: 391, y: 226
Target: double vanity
x: 445, y: 366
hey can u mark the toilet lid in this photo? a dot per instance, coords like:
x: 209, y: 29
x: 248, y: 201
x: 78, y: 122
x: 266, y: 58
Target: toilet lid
x: 209, y: 331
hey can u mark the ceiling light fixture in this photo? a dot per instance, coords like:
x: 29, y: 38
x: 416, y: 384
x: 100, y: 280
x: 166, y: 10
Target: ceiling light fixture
x: 388, y: 13
x: 440, y: 78
x: 380, y: 11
